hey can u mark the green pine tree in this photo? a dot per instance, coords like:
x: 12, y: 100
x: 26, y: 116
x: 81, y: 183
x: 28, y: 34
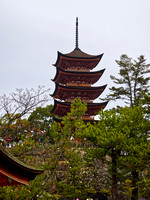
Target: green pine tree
x: 133, y: 80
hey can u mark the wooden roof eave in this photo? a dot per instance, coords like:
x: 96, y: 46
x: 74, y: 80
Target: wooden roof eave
x: 58, y: 102
x: 19, y: 180
x: 68, y: 105
x: 69, y: 73
x: 56, y: 75
x: 80, y: 87
x: 78, y: 72
x: 59, y: 55
x: 57, y: 86
x: 55, y: 91
x: 62, y: 76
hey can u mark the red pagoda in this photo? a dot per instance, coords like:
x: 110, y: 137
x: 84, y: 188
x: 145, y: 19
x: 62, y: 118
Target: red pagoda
x: 74, y: 79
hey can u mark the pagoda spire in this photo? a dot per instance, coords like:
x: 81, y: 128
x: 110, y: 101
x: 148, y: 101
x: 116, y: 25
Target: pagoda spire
x: 77, y: 36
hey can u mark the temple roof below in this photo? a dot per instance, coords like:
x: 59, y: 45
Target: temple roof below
x: 13, y: 171
x: 6, y: 180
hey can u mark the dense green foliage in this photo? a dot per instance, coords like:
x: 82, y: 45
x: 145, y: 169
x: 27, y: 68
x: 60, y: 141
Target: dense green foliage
x: 103, y: 159
x: 111, y: 156
x: 121, y: 140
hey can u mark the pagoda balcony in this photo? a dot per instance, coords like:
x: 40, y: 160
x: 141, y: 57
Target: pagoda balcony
x: 82, y: 99
x: 77, y: 84
x: 77, y: 69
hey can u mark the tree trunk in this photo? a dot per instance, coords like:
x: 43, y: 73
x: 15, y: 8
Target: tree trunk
x: 114, y: 175
x: 135, y: 178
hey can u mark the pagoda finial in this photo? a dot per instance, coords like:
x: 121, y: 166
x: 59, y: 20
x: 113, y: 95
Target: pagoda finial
x: 77, y: 37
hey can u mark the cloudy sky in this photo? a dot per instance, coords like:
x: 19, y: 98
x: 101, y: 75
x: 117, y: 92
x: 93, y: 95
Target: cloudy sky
x: 32, y: 31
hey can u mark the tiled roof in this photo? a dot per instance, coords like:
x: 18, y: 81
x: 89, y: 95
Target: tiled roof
x: 17, y: 171
x: 9, y: 156
x: 79, y: 54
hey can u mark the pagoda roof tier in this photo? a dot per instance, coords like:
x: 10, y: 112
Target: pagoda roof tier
x: 13, y: 171
x: 77, y: 77
x: 72, y: 92
x: 62, y: 108
x: 77, y: 60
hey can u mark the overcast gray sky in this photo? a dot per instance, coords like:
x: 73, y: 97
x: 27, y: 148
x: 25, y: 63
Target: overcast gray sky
x: 32, y: 31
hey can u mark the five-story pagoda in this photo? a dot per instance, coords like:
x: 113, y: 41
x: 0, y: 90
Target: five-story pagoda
x: 74, y: 79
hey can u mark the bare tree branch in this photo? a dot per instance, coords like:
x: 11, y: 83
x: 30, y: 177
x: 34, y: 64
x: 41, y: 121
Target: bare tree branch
x: 21, y: 102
